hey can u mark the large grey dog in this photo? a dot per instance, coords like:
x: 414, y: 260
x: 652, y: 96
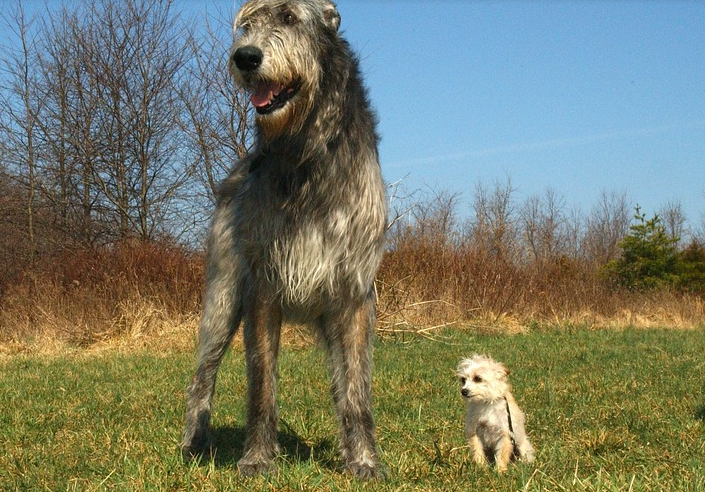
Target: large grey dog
x: 298, y: 230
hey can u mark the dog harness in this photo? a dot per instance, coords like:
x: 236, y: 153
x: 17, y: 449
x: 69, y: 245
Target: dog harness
x: 515, y: 449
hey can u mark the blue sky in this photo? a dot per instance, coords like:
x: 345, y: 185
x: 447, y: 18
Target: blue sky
x: 576, y: 96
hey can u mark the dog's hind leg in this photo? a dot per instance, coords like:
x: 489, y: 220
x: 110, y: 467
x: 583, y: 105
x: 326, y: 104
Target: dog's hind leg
x: 219, y: 322
x: 263, y: 321
x: 348, y: 336
x: 526, y: 451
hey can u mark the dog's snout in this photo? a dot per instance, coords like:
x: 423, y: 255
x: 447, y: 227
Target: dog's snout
x: 248, y: 58
x: 465, y: 392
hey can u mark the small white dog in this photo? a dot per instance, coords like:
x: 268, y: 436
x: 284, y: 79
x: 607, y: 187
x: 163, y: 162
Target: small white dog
x: 494, y: 424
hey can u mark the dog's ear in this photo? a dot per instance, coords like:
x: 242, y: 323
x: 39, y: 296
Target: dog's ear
x: 459, y: 369
x: 331, y: 17
x: 500, y: 371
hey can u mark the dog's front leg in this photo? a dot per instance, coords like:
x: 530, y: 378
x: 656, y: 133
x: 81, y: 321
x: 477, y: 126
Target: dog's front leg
x: 261, y: 333
x: 503, y: 453
x: 478, y: 450
x: 219, y: 322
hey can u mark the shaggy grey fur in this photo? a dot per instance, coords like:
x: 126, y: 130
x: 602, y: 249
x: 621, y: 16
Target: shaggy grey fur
x: 298, y: 230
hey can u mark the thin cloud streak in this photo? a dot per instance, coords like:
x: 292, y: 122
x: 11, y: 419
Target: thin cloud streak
x: 557, y: 143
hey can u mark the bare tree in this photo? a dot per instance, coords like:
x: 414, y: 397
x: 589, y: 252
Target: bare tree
x: 434, y: 218
x: 675, y: 221
x: 606, y: 225
x: 574, y: 230
x: 13, y: 242
x: 121, y: 117
x: 20, y: 102
x: 65, y: 122
x: 493, y: 228
x: 544, y: 226
x: 400, y: 203
x: 216, y: 115
x: 135, y: 51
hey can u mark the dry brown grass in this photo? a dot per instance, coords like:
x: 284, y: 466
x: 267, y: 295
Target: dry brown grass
x: 464, y: 288
x: 130, y: 294
x: 136, y: 296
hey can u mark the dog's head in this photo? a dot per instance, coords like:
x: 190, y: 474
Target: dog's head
x: 482, y: 379
x: 277, y: 56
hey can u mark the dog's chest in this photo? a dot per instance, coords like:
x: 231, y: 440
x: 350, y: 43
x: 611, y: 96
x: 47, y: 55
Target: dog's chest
x: 488, y: 421
x: 305, y: 240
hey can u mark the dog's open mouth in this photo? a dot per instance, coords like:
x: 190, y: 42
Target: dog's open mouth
x: 267, y: 97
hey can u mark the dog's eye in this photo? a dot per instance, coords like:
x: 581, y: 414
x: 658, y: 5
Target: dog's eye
x: 462, y: 380
x: 241, y: 30
x: 477, y: 379
x: 288, y: 17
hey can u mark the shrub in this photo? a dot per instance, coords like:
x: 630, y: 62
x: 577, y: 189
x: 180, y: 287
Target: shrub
x: 691, y: 274
x: 649, y: 256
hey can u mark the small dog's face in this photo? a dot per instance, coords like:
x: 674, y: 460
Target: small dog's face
x: 482, y: 379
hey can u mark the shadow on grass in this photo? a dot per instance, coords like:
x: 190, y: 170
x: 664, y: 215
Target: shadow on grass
x: 700, y: 413
x: 229, y: 442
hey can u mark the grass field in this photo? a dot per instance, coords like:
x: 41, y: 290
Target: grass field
x: 607, y: 410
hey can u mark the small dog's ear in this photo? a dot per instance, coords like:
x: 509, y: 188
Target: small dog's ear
x: 506, y: 370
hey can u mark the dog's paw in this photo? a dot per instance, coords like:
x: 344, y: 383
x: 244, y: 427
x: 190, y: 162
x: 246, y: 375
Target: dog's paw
x: 480, y: 460
x: 189, y: 454
x: 199, y: 446
x: 366, y: 470
x: 528, y: 457
x: 248, y: 468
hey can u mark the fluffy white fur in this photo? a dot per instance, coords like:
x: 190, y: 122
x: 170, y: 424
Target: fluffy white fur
x: 487, y: 395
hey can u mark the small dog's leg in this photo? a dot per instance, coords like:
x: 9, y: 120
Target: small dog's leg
x: 526, y: 451
x: 349, y: 343
x: 503, y: 453
x: 478, y: 450
x: 262, y: 330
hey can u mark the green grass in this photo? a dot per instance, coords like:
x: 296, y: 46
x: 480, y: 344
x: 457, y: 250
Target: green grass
x: 607, y: 410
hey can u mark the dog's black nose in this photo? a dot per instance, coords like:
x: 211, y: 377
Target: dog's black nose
x: 248, y: 58
x: 465, y: 392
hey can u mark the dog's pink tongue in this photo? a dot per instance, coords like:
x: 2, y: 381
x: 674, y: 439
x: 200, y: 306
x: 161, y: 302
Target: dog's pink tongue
x: 264, y: 94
